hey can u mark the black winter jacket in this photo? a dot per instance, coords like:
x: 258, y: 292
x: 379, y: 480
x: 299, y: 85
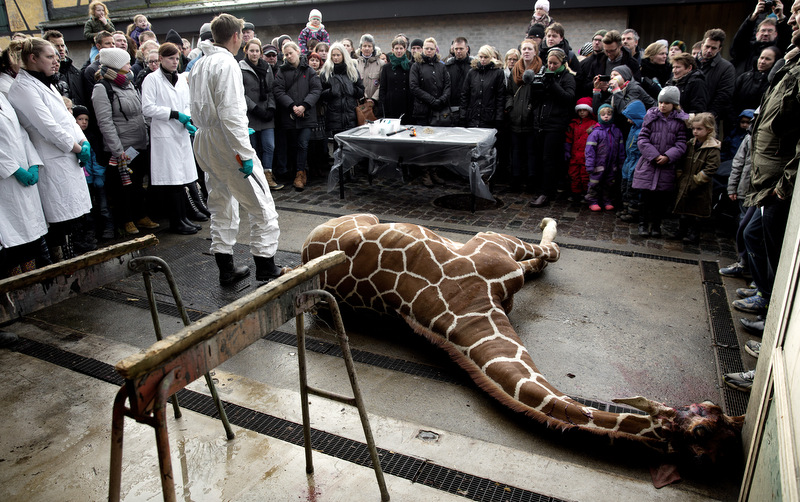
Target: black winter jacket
x: 694, y: 96
x: 519, y: 107
x: 430, y: 85
x: 554, y: 103
x: 745, y: 50
x: 750, y: 87
x: 596, y: 64
x: 655, y: 77
x: 457, y: 69
x: 260, y: 112
x: 296, y: 86
x: 340, y: 95
x: 720, y: 80
x: 71, y: 82
x: 483, y: 98
x: 395, y: 96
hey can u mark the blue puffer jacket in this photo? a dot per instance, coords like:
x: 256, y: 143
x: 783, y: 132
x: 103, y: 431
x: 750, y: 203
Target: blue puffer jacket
x: 635, y: 112
x: 605, y: 148
x: 660, y: 135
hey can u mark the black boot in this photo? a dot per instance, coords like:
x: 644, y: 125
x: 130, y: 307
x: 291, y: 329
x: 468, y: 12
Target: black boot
x: 266, y: 269
x: 228, y: 273
x: 655, y: 229
x: 644, y: 231
x: 197, y: 198
x: 177, y: 214
x: 188, y: 222
x: 692, y: 237
x: 7, y: 338
x: 192, y: 211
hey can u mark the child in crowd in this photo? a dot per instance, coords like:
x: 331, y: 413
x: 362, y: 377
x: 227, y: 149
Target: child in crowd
x: 662, y: 143
x: 141, y: 24
x: 95, y: 173
x: 634, y: 112
x: 575, y: 148
x: 314, y: 29
x: 730, y: 145
x: 694, y: 184
x: 99, y: 20
x: 605, y: 153
x: 738, y: 186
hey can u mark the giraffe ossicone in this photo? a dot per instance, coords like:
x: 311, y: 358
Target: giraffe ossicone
x: 458, y: 295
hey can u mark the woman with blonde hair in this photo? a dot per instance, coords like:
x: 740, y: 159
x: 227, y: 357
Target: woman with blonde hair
x: 9, y: 65
x: 58, y: 140
x: 342, y: 87
x: 656, y: 70
x: 483, y: 97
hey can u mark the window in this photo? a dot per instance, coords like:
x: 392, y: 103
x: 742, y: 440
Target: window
x: 4, y: 27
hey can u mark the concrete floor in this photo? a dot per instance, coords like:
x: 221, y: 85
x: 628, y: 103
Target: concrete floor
x: 598, y: 325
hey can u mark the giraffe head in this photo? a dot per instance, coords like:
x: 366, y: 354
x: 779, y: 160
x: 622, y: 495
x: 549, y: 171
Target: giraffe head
x: 700, y: 432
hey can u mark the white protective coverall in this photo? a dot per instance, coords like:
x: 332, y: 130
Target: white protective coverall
x: 170, y: 162
x: 21, y: 216
x: 53, y: 131
x: 219, y: 112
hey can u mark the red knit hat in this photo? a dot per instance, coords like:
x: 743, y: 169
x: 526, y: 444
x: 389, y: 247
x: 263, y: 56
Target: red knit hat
x: 584, y: 104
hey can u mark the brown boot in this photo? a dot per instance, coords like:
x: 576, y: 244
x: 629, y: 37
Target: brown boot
x: 300, y: 181
x: 426, y: 179
x: 273, y: 185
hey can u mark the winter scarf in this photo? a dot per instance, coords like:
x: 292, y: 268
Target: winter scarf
x: 519, y: 69
x: 340, y: 68
x: 121, y: 79
x: 41, y: 77
x: 402, y: 62
x: 314, y: 29
x: 261, y: 71
x: 172, y: 77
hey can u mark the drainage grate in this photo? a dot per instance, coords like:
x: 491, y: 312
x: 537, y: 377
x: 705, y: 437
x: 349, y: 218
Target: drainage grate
x: 632, y: 254
x: 726, y: 344
x: 414, y: 469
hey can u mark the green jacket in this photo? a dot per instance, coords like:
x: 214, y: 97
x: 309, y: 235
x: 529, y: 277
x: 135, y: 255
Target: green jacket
x: 776, y: 133
x: 93, y: 27
x: 694, y: 181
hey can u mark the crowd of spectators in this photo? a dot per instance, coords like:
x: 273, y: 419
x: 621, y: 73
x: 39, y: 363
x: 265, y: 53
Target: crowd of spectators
x: 101, y: 149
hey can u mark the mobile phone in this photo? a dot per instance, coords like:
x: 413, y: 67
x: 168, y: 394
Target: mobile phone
x: 605, y: 78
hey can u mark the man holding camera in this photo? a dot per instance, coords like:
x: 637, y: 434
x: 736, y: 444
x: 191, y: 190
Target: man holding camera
x: 600, y: 64
x: 768, y: 30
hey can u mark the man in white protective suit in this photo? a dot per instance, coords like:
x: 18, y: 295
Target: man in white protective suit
x: 222, y: 149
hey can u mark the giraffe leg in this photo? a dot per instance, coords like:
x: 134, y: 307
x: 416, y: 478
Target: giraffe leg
x: 532, y: 266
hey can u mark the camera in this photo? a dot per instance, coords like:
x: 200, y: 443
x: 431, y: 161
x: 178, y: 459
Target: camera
x: 769, y: 5
x: 605, y: 78
x: 539, y: 78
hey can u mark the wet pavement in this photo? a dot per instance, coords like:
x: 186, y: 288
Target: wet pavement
x: 616, y: 316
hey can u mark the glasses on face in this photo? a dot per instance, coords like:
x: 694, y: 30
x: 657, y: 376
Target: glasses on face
x: 153, y: 62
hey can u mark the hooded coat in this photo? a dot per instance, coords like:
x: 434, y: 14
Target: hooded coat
x: 635, y: 111
x: 260, y: 112
x: 297, y: 85
x: 483, y: 96
x: 340, y: 95
x: 53, y: 131
x: 660, y: 135
x: 120, y: 119
x: 370, y: 70
x: 605, y: 148
x: 519, y: 106
x: 430, y: 85
x: 695, y: 198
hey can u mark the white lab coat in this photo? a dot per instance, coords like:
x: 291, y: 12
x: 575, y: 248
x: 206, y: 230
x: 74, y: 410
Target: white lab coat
x: 5, y: 83
x: 171, y: 159
x: 53, y: 132
x: 219, y: 111
x: 21, y: 216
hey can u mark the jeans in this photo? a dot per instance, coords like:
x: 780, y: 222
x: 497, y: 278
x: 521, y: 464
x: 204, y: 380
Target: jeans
x: 297, y: 143
x: 763, y: 238
x: 263, y: 142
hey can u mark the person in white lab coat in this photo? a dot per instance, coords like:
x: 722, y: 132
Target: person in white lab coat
x: 58, y: 140
x: 165, y: 99
x: 22, y: 221
x: 223, y: 151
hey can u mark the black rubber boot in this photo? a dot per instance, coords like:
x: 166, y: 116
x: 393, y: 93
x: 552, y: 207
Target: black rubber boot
x: 7, y: 338
x: 197, y: 198
x: 266, y: 270
x: 192, y: 211
x: 228, y: 273
x: 177, y: 215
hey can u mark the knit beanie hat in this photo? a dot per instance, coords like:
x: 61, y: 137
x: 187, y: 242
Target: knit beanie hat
x: 78, y: 110
x: 205, y: 31
x: 670, y: 94
x: 584, y: 104
x: 114, y: 57
x: 542, y: 4
x: 174, y: 37
x: 587, y: 49
x: 536, y: 31
x: 315, y: 14
x: 417, y: 42
x: 624, y: 72
x: 602, y: 107
x: 602, y: 33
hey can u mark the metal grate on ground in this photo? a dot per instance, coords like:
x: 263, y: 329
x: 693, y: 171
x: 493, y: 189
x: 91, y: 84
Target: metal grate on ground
x: 726, y: 344
x: 414, y: 469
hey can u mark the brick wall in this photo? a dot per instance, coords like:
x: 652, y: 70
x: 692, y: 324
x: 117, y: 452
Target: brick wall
x: 503, y: 30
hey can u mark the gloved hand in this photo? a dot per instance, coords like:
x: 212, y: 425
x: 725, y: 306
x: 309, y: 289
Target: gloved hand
x: 85, y: 155
x: 701, y: 178
x: 34, y: 170
x: 247, y: 167
x: 269, y: 114
x: 251, y: 131
x: 24, y: 177
x: 192, y: 129
x: 183, y: 118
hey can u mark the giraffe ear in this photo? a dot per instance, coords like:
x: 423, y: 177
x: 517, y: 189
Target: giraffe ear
x: 642, y: 403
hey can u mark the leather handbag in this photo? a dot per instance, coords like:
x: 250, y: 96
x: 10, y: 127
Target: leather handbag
x: 364, y: 112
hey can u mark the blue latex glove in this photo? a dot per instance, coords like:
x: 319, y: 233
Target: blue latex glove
x: 247, y: 167
x: 85, y: 155
x: 183, y: 118
x: 26, y: 178
x: 192, y: 129
x: 34, y: 170
x: 251, y: 131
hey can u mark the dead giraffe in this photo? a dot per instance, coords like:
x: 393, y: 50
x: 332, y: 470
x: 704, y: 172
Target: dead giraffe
x: 458, y: 296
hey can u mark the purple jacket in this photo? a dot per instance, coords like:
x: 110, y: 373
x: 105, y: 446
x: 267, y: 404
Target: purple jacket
x: 660, y: 135
x: 605, y: 148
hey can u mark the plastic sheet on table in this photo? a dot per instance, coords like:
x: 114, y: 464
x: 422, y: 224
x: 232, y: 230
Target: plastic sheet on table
x: 468, y: 152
